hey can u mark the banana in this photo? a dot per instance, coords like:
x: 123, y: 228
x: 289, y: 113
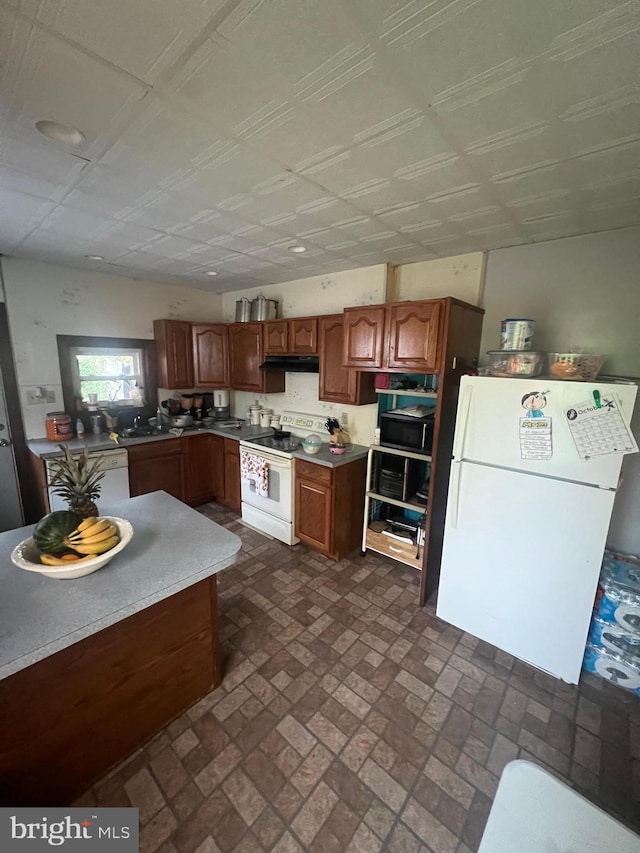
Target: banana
x: 97, y: 547
x: 50, y: 560
x: 91, y: 530
x: 106, y: 533
x: 88, y: 522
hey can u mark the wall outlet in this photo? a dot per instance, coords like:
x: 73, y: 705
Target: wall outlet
x: 40, y: 395
x: 344, y: 419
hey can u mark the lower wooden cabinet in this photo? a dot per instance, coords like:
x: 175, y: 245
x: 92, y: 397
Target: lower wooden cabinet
x: 199, y: 486
x: 330, y: 506
x: 232, y: 497
x: 216, y: 457
x: 195, y: 469
x: 157, y: 465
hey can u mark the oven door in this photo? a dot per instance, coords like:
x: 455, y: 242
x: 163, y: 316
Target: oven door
x: 279, y: 502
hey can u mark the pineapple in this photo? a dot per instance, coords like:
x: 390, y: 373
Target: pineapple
x: 77, y: 481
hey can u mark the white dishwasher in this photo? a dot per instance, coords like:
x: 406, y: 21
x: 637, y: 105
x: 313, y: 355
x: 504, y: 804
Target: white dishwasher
x: 114, y: 486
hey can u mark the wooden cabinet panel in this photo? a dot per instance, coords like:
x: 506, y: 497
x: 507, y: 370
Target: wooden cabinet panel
x: 113, y: 690
x: 340, y: 384
x: 313, y: 513
x: 246, y: 355
x: 330, y: 506
x: 198, y: 479
x: 364, y: 337
x: 414, y: 336
x: 174, y: 353
x: 156, y: 466
x: 303, y: 335
x: 210, y: 354
x: 276, y: 337
x: 216, y: 457
x: 232, y: 497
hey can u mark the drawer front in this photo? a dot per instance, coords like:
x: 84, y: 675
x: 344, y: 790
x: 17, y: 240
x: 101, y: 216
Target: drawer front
x: 314, y: 472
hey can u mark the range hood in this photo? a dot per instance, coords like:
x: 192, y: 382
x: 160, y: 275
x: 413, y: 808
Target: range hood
x: 292, y: 363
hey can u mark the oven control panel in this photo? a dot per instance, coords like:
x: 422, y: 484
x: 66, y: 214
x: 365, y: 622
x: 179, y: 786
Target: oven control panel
x: 300, y: 420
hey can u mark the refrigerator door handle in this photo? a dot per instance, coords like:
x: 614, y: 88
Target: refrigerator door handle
x: 454, y: 492
x: 463, y: 418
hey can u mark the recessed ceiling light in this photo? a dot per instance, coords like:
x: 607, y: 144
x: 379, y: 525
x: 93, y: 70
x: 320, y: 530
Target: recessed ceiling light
x: 211, y: 272
x: 298, y: 250
x: 60, y: 132
x: 94, y: 257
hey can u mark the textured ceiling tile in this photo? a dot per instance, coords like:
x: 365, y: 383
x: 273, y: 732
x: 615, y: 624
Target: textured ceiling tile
x: 45, y: 77
x: 357, y: 127
x: 142, y: 37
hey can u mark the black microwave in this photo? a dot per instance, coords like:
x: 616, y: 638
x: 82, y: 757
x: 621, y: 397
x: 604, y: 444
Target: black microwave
x: 406, y: 432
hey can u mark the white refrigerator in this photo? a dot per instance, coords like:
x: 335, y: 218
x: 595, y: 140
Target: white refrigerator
x: 527, y: 515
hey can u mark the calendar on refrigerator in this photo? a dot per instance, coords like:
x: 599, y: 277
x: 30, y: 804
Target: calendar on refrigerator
x: 598, y: 427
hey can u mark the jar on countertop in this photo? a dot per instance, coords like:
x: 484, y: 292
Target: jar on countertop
x: 59, y: 426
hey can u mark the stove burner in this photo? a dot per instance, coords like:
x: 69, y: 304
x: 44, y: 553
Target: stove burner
x: 287, y: 445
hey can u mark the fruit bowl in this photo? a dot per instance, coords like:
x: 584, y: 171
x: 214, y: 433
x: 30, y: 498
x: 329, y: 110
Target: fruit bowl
x: 26, y: 556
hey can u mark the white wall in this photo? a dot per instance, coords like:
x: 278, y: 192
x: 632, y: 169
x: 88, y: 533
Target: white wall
x: 461, y: 276
x: 582, y: 291
x: 45, y: 300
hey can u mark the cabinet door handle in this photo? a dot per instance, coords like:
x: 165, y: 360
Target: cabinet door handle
x: 461, y: 423
x: 456, y: 473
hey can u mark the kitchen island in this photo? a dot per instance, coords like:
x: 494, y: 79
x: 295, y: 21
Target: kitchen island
x: 91, y: 668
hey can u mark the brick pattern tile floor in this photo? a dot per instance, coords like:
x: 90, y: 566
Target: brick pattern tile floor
x: 350, y: 719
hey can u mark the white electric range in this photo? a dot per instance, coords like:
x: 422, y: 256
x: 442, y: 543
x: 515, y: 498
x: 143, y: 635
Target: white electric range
x: 274, y: 514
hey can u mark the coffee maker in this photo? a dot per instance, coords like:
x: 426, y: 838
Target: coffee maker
x: 221, y: 409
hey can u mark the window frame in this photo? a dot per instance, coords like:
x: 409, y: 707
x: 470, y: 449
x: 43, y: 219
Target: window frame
x: 67, y: 344
x: 137, y: 377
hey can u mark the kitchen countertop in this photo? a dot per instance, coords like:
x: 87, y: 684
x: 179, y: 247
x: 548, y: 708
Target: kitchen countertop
x: 333, y: 460
x: 46, y: 449
x: 40, y: 616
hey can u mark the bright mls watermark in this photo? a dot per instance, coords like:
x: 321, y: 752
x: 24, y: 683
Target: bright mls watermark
x: 74, y: 830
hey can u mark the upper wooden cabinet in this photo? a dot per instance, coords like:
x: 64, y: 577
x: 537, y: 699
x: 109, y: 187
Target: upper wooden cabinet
x: 402, y: 337
x: 303, y: 336
x: 340, y: 384
x: 298, y: 336
x: 413, y: 336
x: 174, y: 353
x: 276, y: 337
x: 210, y: 354
x: 364, y: 337
x: 246, y: 354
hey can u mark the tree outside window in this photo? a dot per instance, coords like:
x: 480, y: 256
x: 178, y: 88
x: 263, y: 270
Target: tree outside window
x: 111, y: 373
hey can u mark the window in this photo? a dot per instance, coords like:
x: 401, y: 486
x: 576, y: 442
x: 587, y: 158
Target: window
x: 112, y: 368
x: 112, y: 373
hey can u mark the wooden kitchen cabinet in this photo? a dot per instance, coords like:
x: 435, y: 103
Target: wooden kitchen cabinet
x: 276, y: 337
x: 413, y: 336
x: 174, y: 353
x: 329, y: 506
x: 157, y: 465
x: 340, y: 384
x: 210, y: 344
x: 303, y: 336
x: 199, y: 485
x: 246, y: 352
x: 232, y: 497
x: 216, y: 461
x: 400, y: 337
x: 363, y: 346
x: 298, y: 336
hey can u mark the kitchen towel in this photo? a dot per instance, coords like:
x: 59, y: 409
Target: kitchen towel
x: 255, y: 468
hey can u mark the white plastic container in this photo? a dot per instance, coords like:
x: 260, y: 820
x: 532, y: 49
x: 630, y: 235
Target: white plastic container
x: 516, y: 334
